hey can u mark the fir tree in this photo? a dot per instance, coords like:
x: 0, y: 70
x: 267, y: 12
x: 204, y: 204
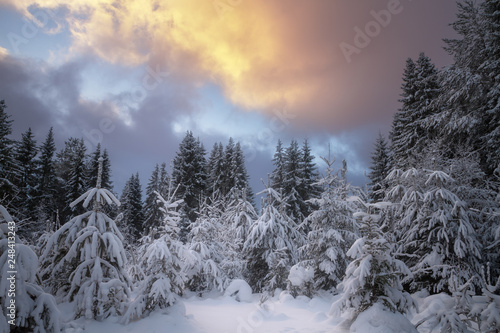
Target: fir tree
x: 93, y: 167
x: 309, y: 189
x: 165, y: 260
x: 271, y: 246
x: 47, y: 179
x: 7, y: 162
x: 239, y: 173
x: 293, y: 182
x: 278, y: 174
x: 71, y: 174
x: 34, y: 310
x: 216, y: 171
x: 84, y: 260
x: 132, y: 208
x: 189, y: 178
x: 203, y: 242
x: 332, y: 232
x: 25, y: 154
x: 374, y: 276
x: 152, y: 213
x: 410, y: 126
x: 380, y: 168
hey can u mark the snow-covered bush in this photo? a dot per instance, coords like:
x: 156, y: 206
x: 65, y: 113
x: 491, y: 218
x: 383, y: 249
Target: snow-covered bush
x: 32, y: 308
x: 439, y: 314
x: 301, y: 280
x: 378, y: 319
x: 373, y: 276
x: 240, y: 290
x: 165, y: 259
x: 84, y: 261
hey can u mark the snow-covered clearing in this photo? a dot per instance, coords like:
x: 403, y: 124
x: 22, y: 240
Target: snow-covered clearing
x: 220, y: 314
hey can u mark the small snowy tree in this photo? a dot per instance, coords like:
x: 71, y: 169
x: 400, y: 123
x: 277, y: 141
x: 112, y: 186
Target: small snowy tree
x: 84, y: 261
x: 25, y: 303
x: 203, y: 240
x: 332, y: 232
x: 271, y: 246
x: 374, y: 276
x: 165, y: 259
x: 239, y: 215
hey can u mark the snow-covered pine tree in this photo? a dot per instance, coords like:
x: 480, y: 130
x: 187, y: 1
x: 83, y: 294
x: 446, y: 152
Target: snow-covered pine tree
x: 409, y: 128
x: 309, y: 189
x: 332, y: 232
x: 406, y: 193
x: 26, y: 180
x: 491, y: 137
x: 165, y: 260
x: 380, y: 168
x: 47, y: 180
x: 71, y: 174
x: 7, y: 161
x: 470, y: 84
x: 153, y: 216
x: 240, y: 215
x: 441, y: 239
x: 203, y: 240
x: 293, y: 182
x: 271, y: 246
x: 239, y: 173
x: 189, y: 176
x: 216, y: 171
x: 84, y: 261
x: 278, y: 174
x: 93, y: 167
x: 32, y: 310
x: 131, y: 209
x: 374, y: 276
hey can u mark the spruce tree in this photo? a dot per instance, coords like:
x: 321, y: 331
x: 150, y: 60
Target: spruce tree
x: 25, y: 153
x: 84, y: 261
x: 410, y: 128
x: 132, y: 208
x: 165, y: 260
x: 216, y: 171
x: 293, y: 182
x: 47, y: 179
x: 7, y: 162
x: 189, y: 178
x: 374, y: 276
x: 309, y: 189
x: 278, y: 174
x: 34, y: 309
x: 332, y: 232
x: 153, y: 216
x: 271, y: 246
x: 71, y: 174
x: 380, y: 168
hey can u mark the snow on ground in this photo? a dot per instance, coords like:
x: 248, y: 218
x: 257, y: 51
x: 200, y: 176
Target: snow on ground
x: 221, y: 314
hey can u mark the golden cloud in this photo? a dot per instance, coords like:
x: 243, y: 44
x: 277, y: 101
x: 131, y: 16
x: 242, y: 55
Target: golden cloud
x: 264, y: 54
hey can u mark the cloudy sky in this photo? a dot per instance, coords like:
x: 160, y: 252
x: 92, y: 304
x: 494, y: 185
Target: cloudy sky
x: 135, y: 75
